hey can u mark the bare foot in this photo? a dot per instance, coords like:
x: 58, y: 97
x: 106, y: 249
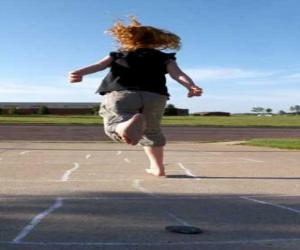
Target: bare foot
x: 132, y: 130
x: 155, y: 172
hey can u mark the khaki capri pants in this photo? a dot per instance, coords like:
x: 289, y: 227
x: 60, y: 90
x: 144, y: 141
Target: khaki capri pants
x: 120, y: 106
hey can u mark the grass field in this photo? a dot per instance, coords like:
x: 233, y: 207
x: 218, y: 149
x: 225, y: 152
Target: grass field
x: 217, y: 121
x: 275, y: 143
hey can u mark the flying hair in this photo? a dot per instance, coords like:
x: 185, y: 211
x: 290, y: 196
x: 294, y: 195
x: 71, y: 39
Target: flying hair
x: 135, y: 36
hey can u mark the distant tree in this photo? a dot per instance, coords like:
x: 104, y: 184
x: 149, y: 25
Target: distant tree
x: 257, y: 110
x: 95, y: 110
x: 13, y: 111
x: 170, y: 106
x: 295, y: 109
x: 269, y: 110
x: 170, y: 110
x: 43, y: 110
x: 1, y: 111
x: 292, y: 108
x: 282, y: 112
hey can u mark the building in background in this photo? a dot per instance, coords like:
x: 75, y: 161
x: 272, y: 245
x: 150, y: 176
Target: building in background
x: 214, y: 113
x: 56, y: 108
x: 64, y: 108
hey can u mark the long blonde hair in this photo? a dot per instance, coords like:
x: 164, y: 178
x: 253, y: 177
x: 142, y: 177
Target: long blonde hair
x: 135, y: 36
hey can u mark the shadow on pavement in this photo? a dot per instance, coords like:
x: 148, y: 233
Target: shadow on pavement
x: 134, y: 220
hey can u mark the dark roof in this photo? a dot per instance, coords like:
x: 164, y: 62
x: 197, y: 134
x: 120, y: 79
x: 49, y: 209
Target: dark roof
x: 65, y: 105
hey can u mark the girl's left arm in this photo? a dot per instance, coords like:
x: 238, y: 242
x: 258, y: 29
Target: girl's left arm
x: 76, y: 75
x: 178, y: 75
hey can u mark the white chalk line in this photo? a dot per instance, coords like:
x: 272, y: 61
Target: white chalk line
x: 117, y: 198
x: 127, y: 160
x: 238, y: 161
x: 211, y: 162
x: 160, y: 197
x: 36, y: 220
x: 194, y: 153
x: 24, y: 152
x: 137, y: 185
x: 273, y: 195
x: 251, y: 160
x: 57, y: 181
x: 271, y: 204
x: 186, y: 170
x: 180, y: 243
x: 177, y: 219
x: 101, y: 198
x: 87, y: 156
x: 67, y: 174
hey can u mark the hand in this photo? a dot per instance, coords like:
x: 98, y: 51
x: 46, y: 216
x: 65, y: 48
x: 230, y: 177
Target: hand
x: 194, y: 90
x: 75, y: 77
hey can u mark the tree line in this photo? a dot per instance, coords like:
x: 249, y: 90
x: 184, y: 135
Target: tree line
x: 260, y: 110
x: 42, y: 110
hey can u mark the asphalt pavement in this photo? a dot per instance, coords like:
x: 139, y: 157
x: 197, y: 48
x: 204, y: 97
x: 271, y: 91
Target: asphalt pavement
x: 97, y: 195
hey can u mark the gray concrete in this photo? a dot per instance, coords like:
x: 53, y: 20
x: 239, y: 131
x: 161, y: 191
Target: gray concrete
x: 97, y: 196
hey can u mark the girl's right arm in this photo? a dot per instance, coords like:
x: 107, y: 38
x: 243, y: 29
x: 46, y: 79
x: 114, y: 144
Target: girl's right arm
x: 76, y: 75
x: 178, y: 75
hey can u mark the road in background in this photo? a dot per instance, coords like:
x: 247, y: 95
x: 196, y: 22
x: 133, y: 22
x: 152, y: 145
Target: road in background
x: 173, y: 133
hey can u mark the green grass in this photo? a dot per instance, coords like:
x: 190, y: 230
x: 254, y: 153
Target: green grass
x: 234, y: 121
x: 201, y: 121
x: 275, y: 143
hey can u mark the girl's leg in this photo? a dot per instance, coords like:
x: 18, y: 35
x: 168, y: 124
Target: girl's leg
x: 156, y: 159
x: 153, y: 140
x: 131, y: 131
x: 121, y: 118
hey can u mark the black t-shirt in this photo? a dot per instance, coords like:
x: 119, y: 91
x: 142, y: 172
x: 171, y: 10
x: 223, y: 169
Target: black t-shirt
x: 142, y: 69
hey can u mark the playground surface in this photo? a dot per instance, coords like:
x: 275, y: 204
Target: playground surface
x: 96, y: 195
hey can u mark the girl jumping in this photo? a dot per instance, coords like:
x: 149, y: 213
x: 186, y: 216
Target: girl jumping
x: 135, y: 91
